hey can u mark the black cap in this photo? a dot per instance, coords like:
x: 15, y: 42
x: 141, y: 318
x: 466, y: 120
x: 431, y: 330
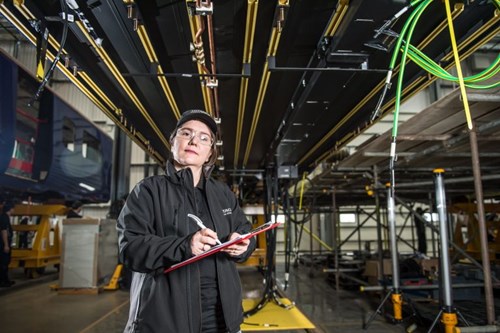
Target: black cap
x: 199, y: 115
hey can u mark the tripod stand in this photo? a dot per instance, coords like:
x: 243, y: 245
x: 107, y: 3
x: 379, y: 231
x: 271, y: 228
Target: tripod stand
x: 448, y: 313
x: 395, y: 291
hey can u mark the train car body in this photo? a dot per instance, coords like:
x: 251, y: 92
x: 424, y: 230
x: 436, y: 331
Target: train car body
x: 48, y: 150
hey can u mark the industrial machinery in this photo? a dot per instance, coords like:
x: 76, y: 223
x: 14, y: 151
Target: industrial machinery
x: 37, y: 244
x: 466, y: 229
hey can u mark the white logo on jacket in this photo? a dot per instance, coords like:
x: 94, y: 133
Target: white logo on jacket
x: 227, y: 211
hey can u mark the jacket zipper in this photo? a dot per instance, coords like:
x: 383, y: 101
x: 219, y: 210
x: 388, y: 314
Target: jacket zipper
x: 187, y: 182
x: 195, y: 204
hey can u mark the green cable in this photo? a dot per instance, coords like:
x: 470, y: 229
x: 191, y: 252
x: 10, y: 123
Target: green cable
x: 430, y: 66
x: 410, y: 25
x: 394, y: 55
x: 420, y: 58
x: 490, y: 86
x: 425, y: 63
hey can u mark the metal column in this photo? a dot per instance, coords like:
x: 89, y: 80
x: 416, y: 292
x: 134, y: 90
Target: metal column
x: 444, y: 240
x: 449, y: 315
x: 380, y: 273
x: 485, y: 257
x: 397, y: 297
x: 336, y: 246
x: 395, y: 292
x: 120, y: 177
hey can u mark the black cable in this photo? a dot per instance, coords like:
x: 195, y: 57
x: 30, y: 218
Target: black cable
x: 271, y: 291
x: 49, y: 73
x: 307, y: 217
x: 288, y: 231
x: 299, y: 224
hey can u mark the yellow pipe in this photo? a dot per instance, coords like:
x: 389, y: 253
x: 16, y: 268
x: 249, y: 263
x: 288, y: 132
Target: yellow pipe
x: 252, y: 6
x: 241, y: 115
x: 148, y: 47
x: 273, y: 46
x: 146, y: 43
x: 258, y: 108
x: 302, y: 189
x: 123, y: 83
x: 458, y: 66
x: 97, y: 89
x: 326, y: 246
x: 13, y: 19
x: 340, y: 11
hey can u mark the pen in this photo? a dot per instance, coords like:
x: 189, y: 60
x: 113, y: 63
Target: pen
x: 201, y: 225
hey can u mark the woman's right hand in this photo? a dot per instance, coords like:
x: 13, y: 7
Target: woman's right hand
x: 203, y: 240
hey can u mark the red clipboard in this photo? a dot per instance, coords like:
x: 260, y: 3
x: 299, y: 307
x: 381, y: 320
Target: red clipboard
x: 265, y: 227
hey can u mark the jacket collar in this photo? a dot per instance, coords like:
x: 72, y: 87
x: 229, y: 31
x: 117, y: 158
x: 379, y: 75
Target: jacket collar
x: 178, y: 175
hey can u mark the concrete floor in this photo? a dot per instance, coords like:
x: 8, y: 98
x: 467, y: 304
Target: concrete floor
x: 31, y: 306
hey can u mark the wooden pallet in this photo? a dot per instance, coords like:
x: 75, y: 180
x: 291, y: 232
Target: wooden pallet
x: 77, y: 291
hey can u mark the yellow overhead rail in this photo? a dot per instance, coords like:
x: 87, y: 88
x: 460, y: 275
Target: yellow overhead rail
x: 124, y: 84
x: 266, y: 74
x: 153, y: 59
x: 337, y: 17
x: 252, y: 6
x: 148, y: 47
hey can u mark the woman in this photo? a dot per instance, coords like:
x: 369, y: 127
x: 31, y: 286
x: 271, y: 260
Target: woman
x: 155, y: 232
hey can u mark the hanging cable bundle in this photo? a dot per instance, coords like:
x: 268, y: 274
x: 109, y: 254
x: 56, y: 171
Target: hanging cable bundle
x: 48, y: 75
x: 404, y: 46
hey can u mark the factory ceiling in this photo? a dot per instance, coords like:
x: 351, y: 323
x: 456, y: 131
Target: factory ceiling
x: 291, y: 81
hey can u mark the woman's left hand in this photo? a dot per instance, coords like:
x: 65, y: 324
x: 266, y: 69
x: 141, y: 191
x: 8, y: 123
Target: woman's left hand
x: 237, y: 249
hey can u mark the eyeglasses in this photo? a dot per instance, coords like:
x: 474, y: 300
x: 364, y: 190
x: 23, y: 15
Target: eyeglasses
x: 188, y: 134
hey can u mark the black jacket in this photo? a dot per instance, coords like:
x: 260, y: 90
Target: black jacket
x: 155, y: 232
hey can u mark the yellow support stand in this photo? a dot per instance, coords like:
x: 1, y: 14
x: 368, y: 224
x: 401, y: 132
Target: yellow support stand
x: 273, y: 317
x: 397, y: 305
x: 450, y: 321
x: 113, y: 282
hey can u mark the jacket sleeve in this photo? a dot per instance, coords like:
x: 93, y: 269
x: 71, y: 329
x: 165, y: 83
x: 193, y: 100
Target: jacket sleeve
x: 141, y: 248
